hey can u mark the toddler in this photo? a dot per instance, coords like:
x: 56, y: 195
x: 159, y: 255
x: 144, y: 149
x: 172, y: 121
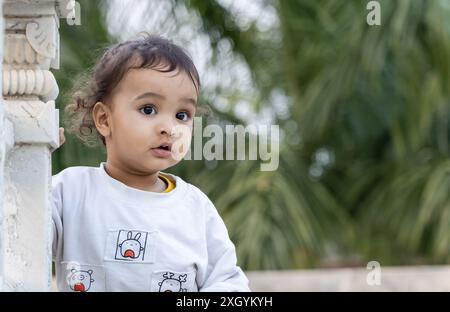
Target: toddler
x: 126, y: 225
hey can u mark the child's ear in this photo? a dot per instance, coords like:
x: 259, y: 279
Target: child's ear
x: 101, y: 116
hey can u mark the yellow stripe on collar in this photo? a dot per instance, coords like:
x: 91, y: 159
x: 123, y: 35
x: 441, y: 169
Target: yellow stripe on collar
x: 169, y: 183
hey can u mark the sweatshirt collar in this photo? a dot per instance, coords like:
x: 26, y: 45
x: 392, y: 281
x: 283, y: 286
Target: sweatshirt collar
x: 127, y: 193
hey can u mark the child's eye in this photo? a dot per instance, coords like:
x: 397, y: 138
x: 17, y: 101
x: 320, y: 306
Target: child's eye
x: 183, y: 116
x: 148, y: 110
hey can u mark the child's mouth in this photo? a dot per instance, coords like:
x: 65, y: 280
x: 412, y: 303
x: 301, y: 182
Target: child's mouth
x: 163, y: 151
x: 164, y: 147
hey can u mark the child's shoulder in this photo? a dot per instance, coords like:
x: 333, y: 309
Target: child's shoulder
x: 192, y: 192
x: 197, y: 199
x: 197, y: 193
x: 75, y: 170
x: 73, y: 173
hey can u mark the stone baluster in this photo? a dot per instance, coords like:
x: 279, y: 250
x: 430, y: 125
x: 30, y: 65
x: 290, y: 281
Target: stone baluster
x: 29, y: 134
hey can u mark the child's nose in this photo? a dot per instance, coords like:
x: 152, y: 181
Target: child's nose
x: 164, y: 131
x: 166, y: 127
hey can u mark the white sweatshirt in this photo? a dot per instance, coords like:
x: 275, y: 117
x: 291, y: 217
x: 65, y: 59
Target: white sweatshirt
x: 111, y: 237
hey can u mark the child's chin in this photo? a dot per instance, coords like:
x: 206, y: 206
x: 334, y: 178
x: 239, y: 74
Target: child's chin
x: 163, y: 165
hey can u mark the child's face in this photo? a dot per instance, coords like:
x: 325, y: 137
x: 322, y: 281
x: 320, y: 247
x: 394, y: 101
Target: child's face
x: 147, y: 107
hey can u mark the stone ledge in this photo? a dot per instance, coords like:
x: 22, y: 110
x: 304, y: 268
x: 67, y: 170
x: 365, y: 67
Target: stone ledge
x: 34, y: 122
x: 413, y: 278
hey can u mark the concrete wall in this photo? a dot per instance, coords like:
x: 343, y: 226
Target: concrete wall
x: 420, y: 278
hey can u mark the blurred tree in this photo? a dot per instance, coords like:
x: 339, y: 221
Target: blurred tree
x: 80, y: 46
x: 375, y: 100
x: 378, y: 98
x: 364, y: 155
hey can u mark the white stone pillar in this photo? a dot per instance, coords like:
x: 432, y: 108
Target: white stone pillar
x: 2, y: 148
x: 31, y: 48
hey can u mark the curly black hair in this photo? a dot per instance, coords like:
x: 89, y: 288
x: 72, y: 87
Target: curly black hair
x: 148, y: 51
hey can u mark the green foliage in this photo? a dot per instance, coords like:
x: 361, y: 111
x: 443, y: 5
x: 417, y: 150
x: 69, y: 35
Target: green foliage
x: 376, y: 98
x: 80, y: 46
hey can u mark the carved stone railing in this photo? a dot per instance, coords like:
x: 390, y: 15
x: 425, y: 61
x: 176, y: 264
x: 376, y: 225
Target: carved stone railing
x: 28, y: 133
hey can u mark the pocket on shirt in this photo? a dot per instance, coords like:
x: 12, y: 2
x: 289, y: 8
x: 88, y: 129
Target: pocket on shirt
x: 131, y: 246
x: 173, y: 281
x: 79, y: 277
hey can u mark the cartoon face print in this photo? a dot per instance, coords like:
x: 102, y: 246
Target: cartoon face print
x: 80, y: 280
x: 131, y: 247
x: 172, y: 284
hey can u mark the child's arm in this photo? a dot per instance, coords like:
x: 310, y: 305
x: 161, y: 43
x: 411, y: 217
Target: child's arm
x: 56, y: 206
x: 62, y: 138
x: 222, y: 272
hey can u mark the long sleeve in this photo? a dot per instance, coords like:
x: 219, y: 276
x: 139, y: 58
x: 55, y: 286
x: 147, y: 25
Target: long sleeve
x: 222, y: 272
x: 56, y: 201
